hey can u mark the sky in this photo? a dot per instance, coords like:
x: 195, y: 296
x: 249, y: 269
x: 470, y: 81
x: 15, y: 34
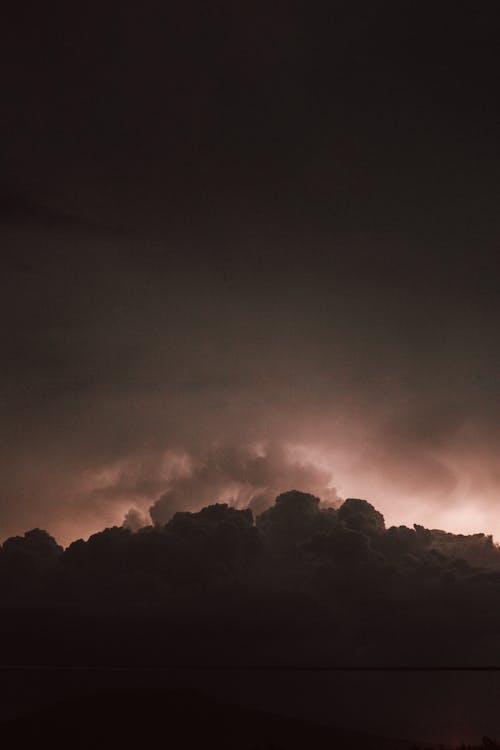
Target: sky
x: 249, y: 247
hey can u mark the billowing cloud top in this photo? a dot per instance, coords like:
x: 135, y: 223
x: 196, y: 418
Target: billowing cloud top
x: 305, y: 583
x: 236, y: 228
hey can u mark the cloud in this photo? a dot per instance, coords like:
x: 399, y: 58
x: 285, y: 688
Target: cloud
x: 301, y: 581
x: 241, y: 475
x: 135, y: 520
x: 121, y: 363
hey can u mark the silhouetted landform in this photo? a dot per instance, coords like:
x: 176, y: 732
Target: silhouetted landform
x: 487, y: 743
x: 142, y: 719
x: 187, y: 719
x: 305, y: 584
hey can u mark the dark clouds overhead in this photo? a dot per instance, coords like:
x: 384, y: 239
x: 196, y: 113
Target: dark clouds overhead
x: 239, y: 226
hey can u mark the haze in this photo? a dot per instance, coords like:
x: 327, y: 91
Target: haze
x: 229, y: 234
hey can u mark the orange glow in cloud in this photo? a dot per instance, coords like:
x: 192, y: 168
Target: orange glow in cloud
x: 456, y: 498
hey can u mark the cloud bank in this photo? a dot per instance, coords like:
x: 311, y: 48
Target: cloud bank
x: 138, y: 368
x: 303, y: 582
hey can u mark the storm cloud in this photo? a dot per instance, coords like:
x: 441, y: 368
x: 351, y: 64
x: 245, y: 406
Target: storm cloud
x: 303, y: 583
x: 223, y: 229
x: 128, y: 378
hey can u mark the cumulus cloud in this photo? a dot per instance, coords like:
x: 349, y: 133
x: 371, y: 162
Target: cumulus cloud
x: 121, y: 364
x: 135, y: 520
x: 241, y: 475
x: 303, y: 580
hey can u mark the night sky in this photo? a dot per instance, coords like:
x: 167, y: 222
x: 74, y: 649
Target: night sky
x: 249, y: 315
x: 246, y: 248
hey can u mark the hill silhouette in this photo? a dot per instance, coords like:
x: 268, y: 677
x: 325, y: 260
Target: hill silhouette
x: 175, y: 719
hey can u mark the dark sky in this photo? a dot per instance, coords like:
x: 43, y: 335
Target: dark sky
x: 249, y: 229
